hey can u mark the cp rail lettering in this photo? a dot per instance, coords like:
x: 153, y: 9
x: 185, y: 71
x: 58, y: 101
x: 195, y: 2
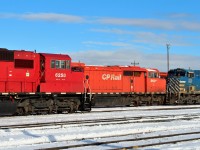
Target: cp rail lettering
x: 111, y: 77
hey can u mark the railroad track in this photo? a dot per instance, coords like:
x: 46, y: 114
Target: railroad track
x: 109, y: 121
x: 115, y: 109
x: 147, y: 109
x: 78, y: 131
x: 151, y: 140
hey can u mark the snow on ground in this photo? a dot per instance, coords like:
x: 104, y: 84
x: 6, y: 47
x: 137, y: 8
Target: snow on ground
x: 51, y: 136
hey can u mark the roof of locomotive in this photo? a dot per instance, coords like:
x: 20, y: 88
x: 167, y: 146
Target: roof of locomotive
x: 10, y: 55
x: 77, y: 64
x: 56, y: 56
x: 152, y: 70
x: 116, y: 67
x: 181, y: 69
x: 5, y: 49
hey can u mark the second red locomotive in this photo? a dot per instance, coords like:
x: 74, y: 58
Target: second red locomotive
x: 124, y: 85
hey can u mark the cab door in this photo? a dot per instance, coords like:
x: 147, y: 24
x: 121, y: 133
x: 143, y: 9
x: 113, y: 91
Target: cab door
x: 128, y: 81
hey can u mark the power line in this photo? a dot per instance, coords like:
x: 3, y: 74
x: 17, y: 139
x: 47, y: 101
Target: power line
x: 134, y: 63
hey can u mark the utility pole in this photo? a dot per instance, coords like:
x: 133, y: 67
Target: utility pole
x: 134, y: 63
x: 168, y: 47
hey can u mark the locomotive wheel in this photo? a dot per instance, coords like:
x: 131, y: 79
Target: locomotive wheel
x: 156, y: 103
x: 194, y: 102
x: 71, y: 108
x: 20, y: 111
x: 59, y: 112
x: 148, y: 103
x: 50, y: 110
x: 135, y: 103
x: 89, y: 109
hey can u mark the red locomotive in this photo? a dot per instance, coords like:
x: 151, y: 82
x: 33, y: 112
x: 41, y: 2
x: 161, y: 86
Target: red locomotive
x: 35, y: 82
x: 125, y: 85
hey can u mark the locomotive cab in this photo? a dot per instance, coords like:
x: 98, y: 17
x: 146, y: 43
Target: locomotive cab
x: 62, y: 82
x: 183, y: 80
x: 154, y: 82
x: 184, y: 86
x: 57, y: 76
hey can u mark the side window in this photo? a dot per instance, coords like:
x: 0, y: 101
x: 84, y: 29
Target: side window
x: 149, y: 74
x: 153, y: 75
x: 137, y: 74
x: 128, y: 73
x: 180, y: 74
x: 53, y: 63
x: 132, y: 73
x: 77, y: 69
x: 63, y: 64
x: 57, y: 64
x: 190, y: 74
x: 67, y: 64
x: 60, y: 64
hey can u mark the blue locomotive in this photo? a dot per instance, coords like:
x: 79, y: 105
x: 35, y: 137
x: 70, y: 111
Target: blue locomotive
x: 183, y: 86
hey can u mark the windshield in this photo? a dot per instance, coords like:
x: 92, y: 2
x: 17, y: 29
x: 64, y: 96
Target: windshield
x: 177, y: 73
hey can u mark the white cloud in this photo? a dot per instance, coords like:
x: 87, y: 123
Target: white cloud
x: 115, y: 31
x: 180, y: 15
x: 190, y: 25
x: 150, y: 37
x: 46, y: 17
x: 164, y: 24
x: 153, y: 23
x: 148, y: 23
x: 117, y: 44
x: 161, y: 39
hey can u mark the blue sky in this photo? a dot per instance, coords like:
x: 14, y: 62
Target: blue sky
x: 106, y: 32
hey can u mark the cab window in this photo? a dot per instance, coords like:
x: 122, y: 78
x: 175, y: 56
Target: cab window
x: 190, y: 74
x: 153, y: 75
x: 53, y: 62
x: 57, y: 64
x: 137, y: 73
x: 67, y: 64
x: 60, y: 64
x: 63, y: 64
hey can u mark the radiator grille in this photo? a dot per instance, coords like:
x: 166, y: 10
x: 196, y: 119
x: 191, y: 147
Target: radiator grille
x: 6, y: 55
